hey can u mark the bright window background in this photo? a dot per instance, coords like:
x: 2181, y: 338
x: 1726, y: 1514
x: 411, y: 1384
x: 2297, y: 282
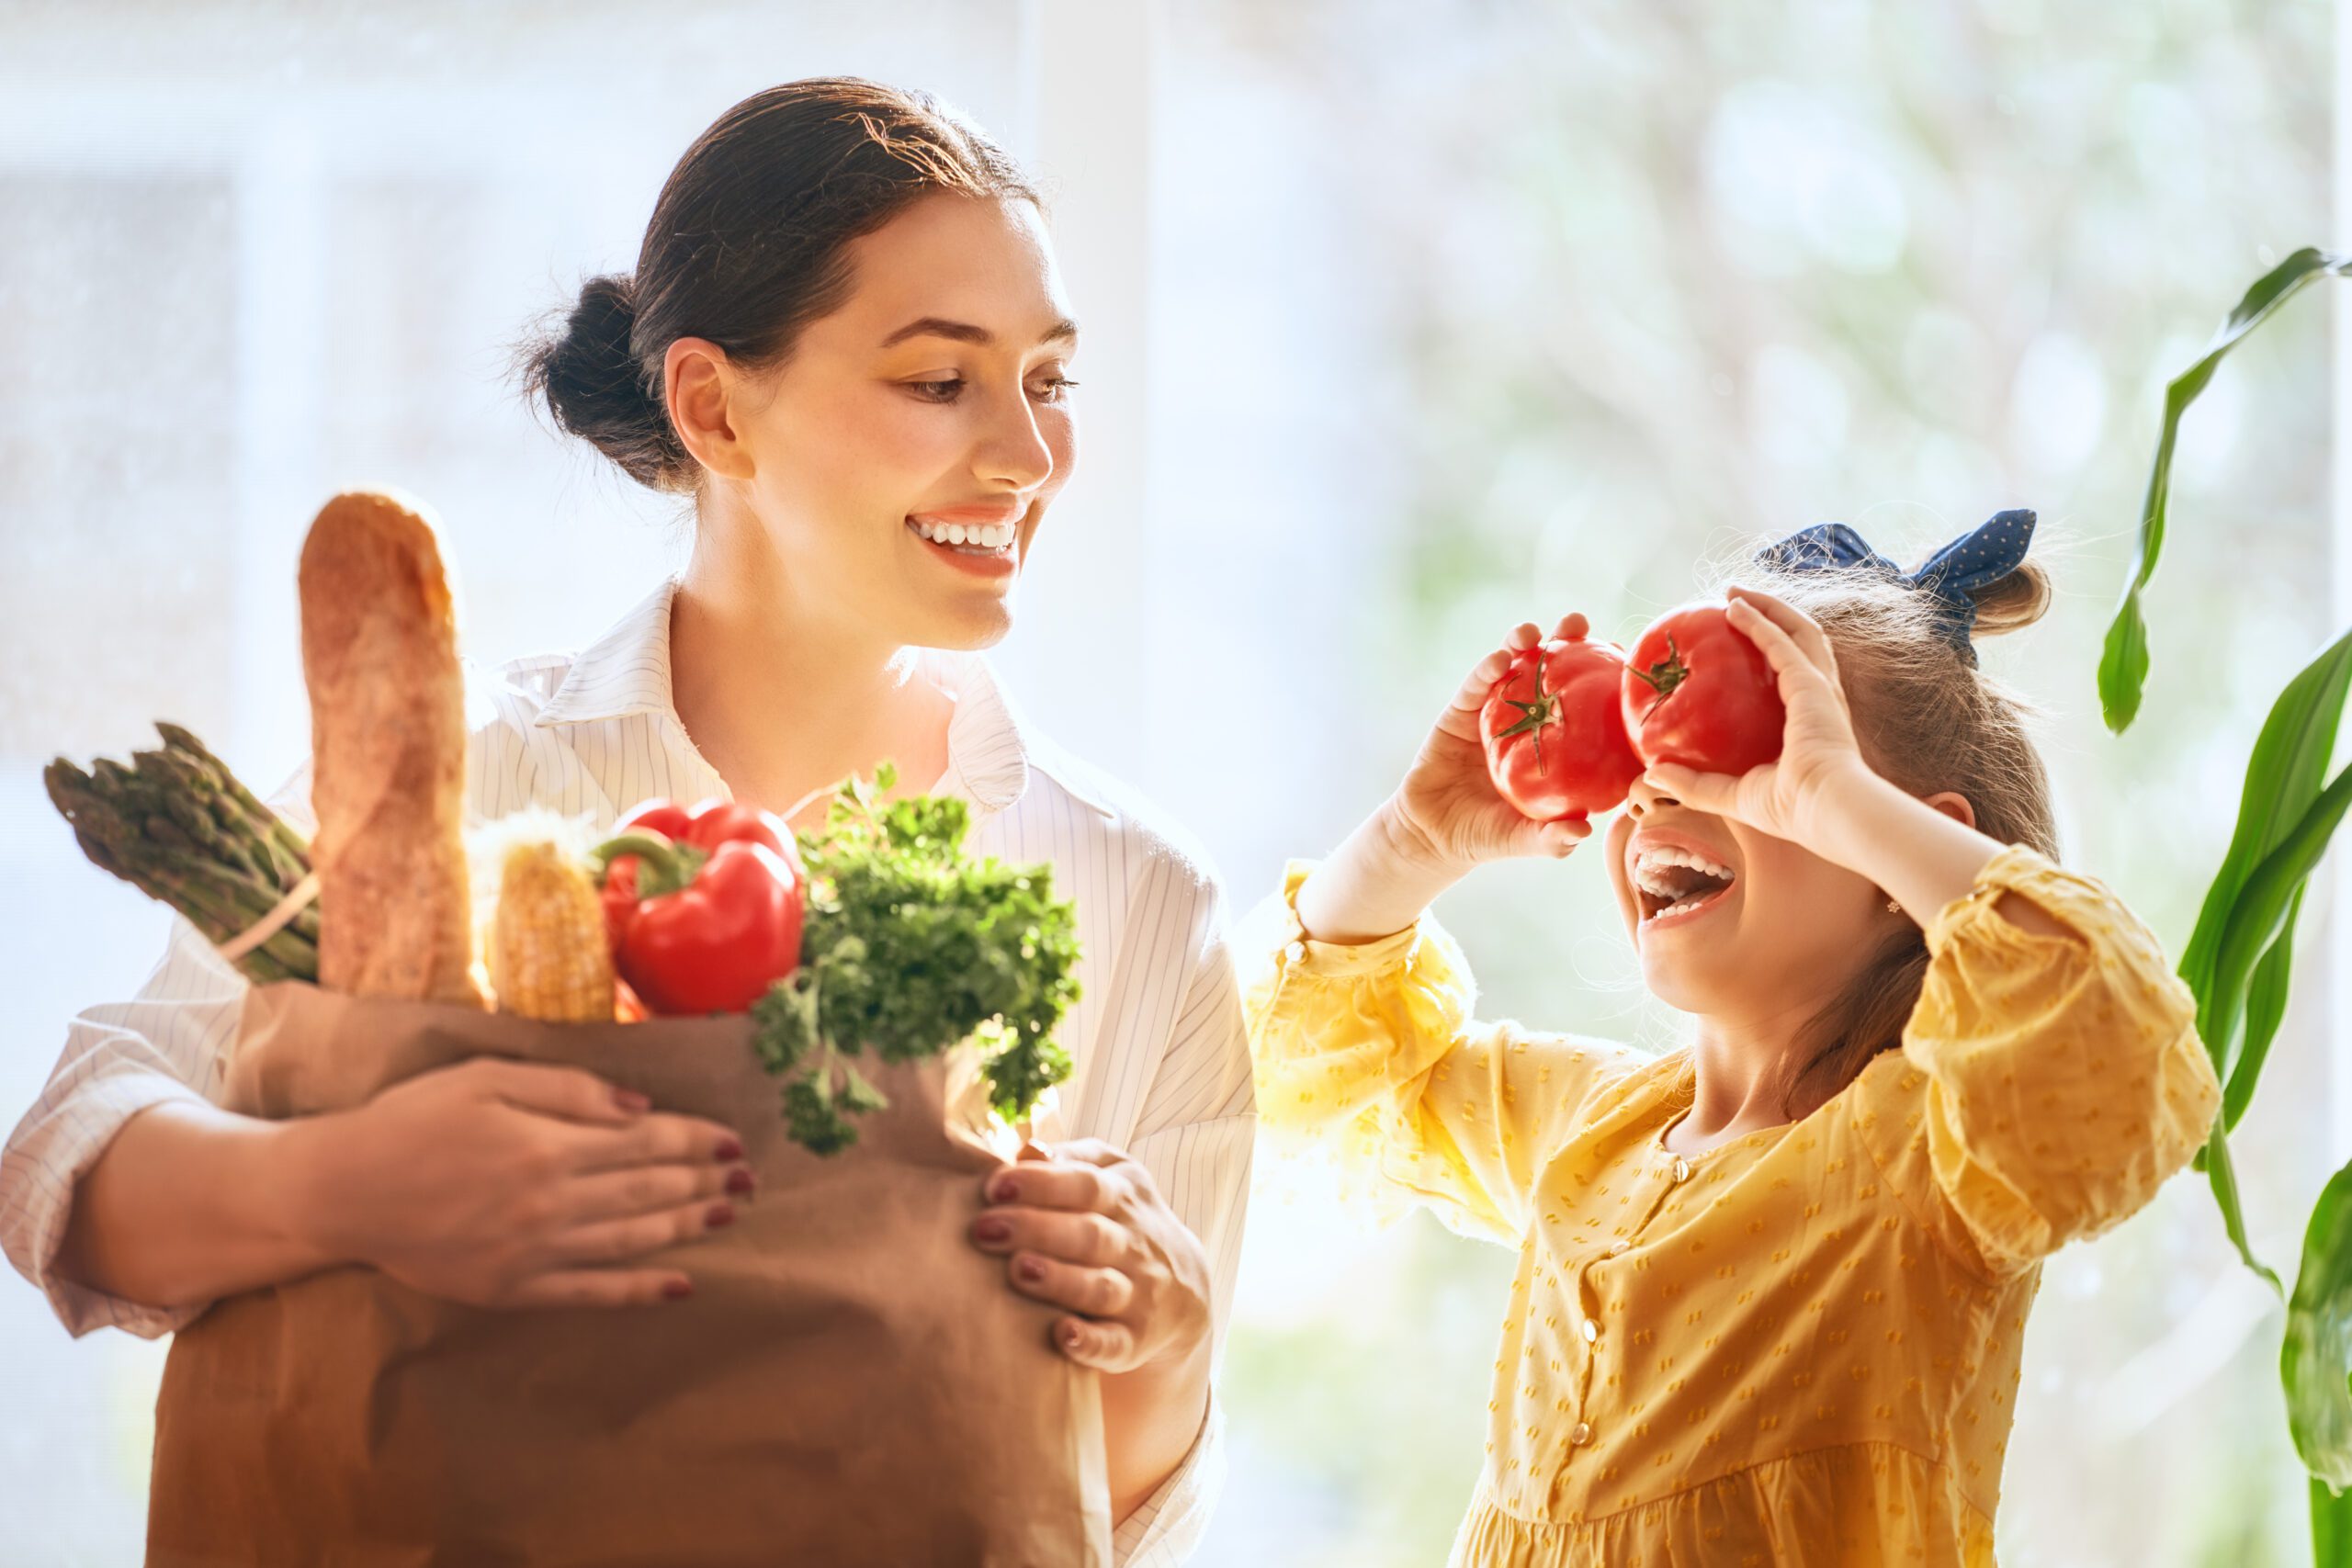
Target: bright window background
x: 1405, y: 322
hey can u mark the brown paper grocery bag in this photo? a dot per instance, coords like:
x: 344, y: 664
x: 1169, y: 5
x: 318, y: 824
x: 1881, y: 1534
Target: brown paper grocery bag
x: 850, y: 1382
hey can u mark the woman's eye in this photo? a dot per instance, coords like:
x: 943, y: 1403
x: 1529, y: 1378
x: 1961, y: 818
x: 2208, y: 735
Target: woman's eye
x: 1053, y: 389
x: 937, y: 391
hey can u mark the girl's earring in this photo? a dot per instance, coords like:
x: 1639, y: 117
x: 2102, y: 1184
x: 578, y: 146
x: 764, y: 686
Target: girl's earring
x: 1892, y: 908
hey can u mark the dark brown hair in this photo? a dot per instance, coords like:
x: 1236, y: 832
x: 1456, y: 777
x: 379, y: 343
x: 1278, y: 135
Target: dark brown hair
x: 1928, y: 721
x: 747, y: 245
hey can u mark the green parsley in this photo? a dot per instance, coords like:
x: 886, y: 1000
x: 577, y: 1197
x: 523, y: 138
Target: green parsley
x: 911, y: 946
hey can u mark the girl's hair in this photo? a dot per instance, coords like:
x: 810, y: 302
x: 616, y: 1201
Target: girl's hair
x: 747, y: 245
x: 1928, y: 721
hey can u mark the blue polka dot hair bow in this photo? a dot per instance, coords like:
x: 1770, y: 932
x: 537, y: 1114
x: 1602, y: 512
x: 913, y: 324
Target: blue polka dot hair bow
x: 1985, y: 555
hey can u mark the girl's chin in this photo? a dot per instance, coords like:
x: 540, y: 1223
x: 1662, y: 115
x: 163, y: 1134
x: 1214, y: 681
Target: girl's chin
x: 1674, y: 981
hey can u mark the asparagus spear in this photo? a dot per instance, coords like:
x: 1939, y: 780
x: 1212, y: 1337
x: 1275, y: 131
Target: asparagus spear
x: 268, y: 822
x: 179, y: 826
x: 185, y: 795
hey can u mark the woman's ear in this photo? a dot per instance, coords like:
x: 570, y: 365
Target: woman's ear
x: 1954, y: 805
x: 699, y: 385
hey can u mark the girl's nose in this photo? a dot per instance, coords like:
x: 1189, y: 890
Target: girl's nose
x: 1643, y: 797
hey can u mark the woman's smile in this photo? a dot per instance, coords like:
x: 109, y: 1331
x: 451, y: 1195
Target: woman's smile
x: 982, y: 540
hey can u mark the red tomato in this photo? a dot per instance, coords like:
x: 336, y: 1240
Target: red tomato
x: 1556, y: 741
x: 1698, y: 693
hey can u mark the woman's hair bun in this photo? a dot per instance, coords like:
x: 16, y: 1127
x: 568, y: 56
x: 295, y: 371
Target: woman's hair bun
x: 594, y: 385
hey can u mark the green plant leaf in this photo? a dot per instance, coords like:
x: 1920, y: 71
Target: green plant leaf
x: 2258, y: 915
x: 2223, y: 1175
x: 2331, y: 1526
x: 2123, y: 662
x: 2315, y: 1360
x: 2265, y: 1005
x: 2283, y: 776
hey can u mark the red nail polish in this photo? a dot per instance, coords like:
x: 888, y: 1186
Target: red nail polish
x: 1005, y: 1190
x: 678, y: 1290
x: 1032, y: 1269
x: 1069, y: 1336
x: 993, y: 1230
x: 719, y: 1215
x: 628, y: 1100
x: 739, y: 1181
x: 728, y: 1149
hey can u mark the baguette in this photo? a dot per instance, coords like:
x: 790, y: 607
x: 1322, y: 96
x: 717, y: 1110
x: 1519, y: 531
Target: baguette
x: 388, y: 744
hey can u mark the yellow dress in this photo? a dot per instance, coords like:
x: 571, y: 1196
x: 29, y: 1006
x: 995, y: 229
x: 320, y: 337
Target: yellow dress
x: 1798, y: 1347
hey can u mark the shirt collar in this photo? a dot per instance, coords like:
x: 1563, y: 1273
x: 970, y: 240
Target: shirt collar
x: 989, y: 746
x: 624, y: 671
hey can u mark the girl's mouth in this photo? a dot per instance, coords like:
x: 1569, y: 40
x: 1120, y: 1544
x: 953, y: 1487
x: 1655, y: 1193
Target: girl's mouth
x: 1674, y: 887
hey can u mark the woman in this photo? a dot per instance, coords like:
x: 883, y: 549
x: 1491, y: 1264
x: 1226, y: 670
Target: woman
x: 846, y: 341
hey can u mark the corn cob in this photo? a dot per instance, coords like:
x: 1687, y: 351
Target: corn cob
x: 549, y: 957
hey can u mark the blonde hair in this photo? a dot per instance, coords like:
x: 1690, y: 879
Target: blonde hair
x: 1928, y: 721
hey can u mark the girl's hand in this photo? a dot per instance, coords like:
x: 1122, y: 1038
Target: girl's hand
x: 1819, y: 754
x: 1084, y: 1228
x: 511, y: 1184
x: 1447, y: 814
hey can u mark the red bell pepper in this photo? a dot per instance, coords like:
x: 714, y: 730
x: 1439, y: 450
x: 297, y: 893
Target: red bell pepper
x: 704, y: 907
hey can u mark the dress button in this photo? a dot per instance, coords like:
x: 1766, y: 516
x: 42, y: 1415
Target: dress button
x: 1296, y: 953
x: 1681, y: 1170
x: 1582, y: 1434
x: 1591, y: 1331
x: 1618, y: 1246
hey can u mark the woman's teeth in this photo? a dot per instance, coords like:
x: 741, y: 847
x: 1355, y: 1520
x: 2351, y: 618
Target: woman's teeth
x: 982, y: 537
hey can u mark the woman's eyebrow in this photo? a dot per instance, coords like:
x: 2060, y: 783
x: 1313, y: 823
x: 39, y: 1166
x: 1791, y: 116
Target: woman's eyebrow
x: 964, y: 331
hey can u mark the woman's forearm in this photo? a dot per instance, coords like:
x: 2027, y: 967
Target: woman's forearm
x: 189, y: 1204
x: 1374, y: 885
x: 1151, y: 1417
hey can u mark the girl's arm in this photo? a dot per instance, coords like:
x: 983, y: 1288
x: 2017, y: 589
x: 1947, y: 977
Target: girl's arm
x: 2052, y: 1077
x: 1368, y: 1056
x: 1360, y: 1006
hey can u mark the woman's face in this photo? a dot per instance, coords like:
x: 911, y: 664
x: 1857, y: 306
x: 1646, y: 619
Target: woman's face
x: 901, y: 459
x: 1768, y: 931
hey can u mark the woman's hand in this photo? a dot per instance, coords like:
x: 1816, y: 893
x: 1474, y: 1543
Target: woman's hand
x: 1793, y: 796
x: 1447, y: 811
x: 1084, y: 1228
x: 511, y: 1184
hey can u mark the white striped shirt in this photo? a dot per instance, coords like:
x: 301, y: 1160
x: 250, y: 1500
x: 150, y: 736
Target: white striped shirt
x: 1162, y: 1063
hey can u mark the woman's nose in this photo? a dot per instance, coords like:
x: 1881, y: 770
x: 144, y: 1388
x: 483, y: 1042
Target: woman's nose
x: 1015, y: 451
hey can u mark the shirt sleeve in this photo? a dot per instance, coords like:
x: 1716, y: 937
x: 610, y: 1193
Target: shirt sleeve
x: 1195, y: 1133
x: 169, y: 1043
x: 1168, y: 1528
x: 1367, y: 1057
x: 2050, y: 1084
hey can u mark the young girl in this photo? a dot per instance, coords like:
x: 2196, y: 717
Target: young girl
x: 1772, y: 1286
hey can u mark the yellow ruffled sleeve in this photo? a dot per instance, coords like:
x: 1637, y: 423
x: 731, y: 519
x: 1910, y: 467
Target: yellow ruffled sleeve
x: 1367, y: 1056
x: 2051, y: 1084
